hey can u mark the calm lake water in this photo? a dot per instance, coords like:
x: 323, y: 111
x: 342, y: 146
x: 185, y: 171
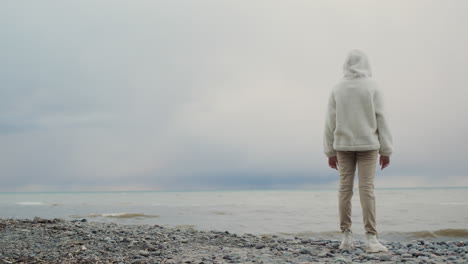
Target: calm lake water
x: 402, y: 214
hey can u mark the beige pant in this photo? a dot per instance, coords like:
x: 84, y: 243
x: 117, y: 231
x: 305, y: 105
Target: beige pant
x: 366, y: 163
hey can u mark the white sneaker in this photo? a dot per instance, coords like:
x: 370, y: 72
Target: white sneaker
x: 373, y: 245
x: 347, y: 241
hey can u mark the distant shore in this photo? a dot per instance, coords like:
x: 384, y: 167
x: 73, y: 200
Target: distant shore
x: 41, y: 240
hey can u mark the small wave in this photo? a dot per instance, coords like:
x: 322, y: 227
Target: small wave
x: 316, y: 235
x: 441, y: 234
x: 391, y: 236
x: 185, y: 226
x: 414, y: 235
x: 452, y: 232
x: 216, y: 212
x: 123, y: 215
x: 30, y: 203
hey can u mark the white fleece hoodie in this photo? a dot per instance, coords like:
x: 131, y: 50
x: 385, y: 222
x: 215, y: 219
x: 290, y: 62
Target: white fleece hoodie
x: 355, y: 118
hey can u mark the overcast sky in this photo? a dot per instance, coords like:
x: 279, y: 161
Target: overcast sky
x: 211, y: 95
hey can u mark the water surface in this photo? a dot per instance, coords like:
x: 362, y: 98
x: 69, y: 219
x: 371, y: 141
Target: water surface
x: 402, y: 214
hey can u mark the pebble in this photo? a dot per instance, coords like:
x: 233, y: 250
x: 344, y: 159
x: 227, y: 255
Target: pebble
x: 341, y: 260
x: 306, y: 251
x: 400, y: 252
x: 335, y: 245
x: 423, y: 259
x: 385, y: 258
x: 48, y: 240
x: 259, y: 246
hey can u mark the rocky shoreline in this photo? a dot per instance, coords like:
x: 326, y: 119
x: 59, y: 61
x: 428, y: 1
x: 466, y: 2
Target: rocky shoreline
x: 59, y: 241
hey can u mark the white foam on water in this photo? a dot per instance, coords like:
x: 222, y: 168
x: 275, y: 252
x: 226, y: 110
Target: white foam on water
x: 122, y: 215
x: 30, y: 203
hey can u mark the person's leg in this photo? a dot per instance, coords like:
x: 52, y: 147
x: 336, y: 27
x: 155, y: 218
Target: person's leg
x: 367, y: 161
x: 346, y: 168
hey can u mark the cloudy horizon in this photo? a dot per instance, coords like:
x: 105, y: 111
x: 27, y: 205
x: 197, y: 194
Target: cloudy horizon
x: 220, y: 95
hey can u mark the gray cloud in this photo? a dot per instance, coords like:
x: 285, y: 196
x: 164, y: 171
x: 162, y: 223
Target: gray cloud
x: 210, y: 94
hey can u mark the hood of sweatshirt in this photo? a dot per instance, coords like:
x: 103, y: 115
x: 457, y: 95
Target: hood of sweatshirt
x: 356, y: 65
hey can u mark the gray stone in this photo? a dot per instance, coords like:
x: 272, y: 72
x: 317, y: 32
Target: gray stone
x: 400, y: 252
x: 341, y: 260
x: 358, y: 251
x: 423, y: 259
x: 306, y: 250
x: 323, y: 254
x: 97, y: 242
x: 335, y: 245
x: 259, y: 246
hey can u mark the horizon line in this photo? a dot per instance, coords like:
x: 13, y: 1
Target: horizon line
x: 235, y: 190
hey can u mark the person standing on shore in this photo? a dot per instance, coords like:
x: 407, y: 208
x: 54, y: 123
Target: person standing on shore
x: 356, y: 131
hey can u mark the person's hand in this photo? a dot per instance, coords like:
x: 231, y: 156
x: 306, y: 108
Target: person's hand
x: 384, y: 162
x: 333, y: 162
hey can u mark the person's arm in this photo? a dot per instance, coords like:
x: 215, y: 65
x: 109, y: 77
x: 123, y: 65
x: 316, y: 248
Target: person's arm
x: 330, y: 125
x: 385, y: 136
